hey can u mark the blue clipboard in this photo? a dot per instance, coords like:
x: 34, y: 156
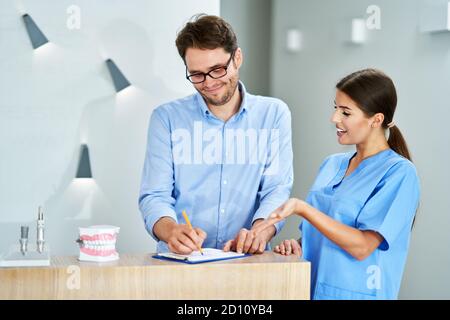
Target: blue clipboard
x: 197, y: 262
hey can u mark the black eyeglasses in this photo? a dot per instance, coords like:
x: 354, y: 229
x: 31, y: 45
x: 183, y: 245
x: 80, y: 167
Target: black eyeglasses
x: 215, y: 73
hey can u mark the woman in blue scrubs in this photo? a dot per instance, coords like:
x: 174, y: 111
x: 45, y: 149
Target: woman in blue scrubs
x: 358, y: 215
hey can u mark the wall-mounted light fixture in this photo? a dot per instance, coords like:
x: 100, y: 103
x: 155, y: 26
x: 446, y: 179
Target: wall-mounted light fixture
x: 435, y: 17
x: 35, y: 34
x: 120, y: 82
x: 84, y: 164
x: 294, y: 40
x: 358, y: 31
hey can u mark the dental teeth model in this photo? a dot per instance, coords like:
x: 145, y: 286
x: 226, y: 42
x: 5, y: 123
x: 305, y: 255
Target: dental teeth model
x: 98, y: 243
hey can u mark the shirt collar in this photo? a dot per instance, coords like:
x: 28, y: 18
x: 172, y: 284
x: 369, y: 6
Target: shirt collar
x: 373, y: 158
x: 204, y: 108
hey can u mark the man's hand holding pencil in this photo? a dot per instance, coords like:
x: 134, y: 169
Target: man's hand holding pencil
x: 184, y: 239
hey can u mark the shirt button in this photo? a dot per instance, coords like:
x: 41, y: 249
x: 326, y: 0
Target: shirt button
x: 224, y: 181
x: 222, y: 210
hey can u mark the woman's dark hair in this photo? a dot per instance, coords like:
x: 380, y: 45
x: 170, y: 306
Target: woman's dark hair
x: 206, y: 32
x: 374, y: 92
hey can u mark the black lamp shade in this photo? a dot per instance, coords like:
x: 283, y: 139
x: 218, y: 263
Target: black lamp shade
x: 37, y: 38
x: 84, y: 165
x: 120, y: 82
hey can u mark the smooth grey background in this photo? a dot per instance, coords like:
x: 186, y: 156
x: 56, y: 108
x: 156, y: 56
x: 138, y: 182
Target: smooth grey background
x: 419, y: 64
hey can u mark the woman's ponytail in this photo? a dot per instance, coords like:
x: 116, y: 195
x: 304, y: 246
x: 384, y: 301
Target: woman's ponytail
x: 397, y: 142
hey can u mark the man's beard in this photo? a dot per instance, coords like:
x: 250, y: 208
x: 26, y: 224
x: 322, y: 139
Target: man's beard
x: 231, y: 87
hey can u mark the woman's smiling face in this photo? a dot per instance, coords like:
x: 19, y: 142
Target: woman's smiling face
x: 352, y: 125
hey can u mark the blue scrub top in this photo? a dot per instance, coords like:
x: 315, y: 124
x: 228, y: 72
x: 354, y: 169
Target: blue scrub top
x: 381, y: 194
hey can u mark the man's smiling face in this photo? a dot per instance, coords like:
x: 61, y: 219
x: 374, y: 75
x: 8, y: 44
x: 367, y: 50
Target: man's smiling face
x: 216, y: 92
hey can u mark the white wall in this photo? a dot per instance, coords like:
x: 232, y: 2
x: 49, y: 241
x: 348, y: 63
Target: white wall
x: 61, y: 95
x: 420, y: 67
x: 251, y: 21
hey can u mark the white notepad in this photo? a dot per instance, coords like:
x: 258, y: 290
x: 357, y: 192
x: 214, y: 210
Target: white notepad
x: 209, y: 254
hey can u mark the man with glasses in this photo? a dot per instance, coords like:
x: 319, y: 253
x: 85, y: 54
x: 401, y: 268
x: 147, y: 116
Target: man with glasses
x: 222, y: 155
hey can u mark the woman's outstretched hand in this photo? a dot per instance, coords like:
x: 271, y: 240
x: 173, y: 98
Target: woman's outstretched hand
x: 292, y: 206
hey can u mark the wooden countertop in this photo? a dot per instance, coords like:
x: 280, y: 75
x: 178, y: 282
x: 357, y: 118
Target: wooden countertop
x: 139, y: 276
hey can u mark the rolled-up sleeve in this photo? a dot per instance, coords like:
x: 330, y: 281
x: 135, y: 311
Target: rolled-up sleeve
x: 276, y: 183
x: 156, y: 193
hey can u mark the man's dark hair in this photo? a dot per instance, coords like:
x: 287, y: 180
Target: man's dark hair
x: 206, y: 32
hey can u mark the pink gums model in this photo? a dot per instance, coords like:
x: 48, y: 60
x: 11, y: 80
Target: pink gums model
x: 98, y: 243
